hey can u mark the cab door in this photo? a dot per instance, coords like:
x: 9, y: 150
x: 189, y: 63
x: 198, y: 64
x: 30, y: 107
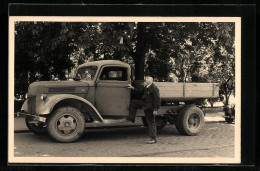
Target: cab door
x: 112, y: 98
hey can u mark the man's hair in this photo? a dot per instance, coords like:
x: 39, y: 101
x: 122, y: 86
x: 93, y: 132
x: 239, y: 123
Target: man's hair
x: 147, y: 75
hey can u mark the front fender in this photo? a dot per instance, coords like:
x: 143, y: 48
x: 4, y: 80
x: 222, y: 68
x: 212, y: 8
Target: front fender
x: 46, y: 107
x: 25, y: 106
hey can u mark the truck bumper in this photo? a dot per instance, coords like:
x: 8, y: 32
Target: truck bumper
x: 35, y: 118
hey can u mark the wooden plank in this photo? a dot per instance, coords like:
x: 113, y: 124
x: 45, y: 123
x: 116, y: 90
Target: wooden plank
x: 187, y: 90
x: 168, y: 90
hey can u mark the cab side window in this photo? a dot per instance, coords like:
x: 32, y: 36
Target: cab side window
x: 114, y: 73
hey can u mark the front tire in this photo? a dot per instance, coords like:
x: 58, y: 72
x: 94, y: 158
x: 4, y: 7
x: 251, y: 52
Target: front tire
x: 190, y: 120
x: 37, y: 128
x: 66, y: 124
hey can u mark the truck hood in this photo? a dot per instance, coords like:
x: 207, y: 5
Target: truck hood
x: 57, y: 87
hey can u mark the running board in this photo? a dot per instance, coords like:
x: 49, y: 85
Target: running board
x: 111, y: 121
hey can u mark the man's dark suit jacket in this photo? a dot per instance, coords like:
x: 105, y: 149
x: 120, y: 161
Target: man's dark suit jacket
x: 150, y: 96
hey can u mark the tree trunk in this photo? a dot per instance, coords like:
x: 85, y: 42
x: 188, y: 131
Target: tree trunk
x: 95, y: 56
x: 62, y: 75
x: 96, y: 53
x: 141, y: 49
x: 227, y: 98
x: 139, y: 69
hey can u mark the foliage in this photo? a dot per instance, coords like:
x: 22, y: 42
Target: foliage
x: 194, y: 52
x: 41, y: 50
x: 222, y: 65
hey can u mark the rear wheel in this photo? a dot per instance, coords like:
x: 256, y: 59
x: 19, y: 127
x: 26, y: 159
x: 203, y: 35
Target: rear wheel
x: 190, y: 120
x: 66, y: 124
x: 177, y: 125
x: 38, y: 128
x: 160, y: 121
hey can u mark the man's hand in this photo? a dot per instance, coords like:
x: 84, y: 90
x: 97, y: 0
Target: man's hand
x: 155, y: 112
x: 129, y: 86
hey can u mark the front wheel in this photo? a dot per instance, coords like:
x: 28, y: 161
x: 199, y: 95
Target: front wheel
x: 66, y: 124
x: 160, y: 121
x: 190, y: 120
x: 38, y: 128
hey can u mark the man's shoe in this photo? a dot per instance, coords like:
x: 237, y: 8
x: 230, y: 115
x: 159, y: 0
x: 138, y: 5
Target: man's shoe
x: 152, y: 141
x: 128, y: 119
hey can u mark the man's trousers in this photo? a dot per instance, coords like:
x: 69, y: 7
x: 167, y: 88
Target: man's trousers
x: 150, y: 118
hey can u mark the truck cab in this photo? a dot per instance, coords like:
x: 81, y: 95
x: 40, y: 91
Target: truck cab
x: 98, y: 94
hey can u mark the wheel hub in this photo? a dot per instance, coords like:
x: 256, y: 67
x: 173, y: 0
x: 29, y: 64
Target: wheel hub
x: 66, y: 124
x: 193, y: 121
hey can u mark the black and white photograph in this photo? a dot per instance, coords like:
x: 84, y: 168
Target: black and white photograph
x: 124, y: 89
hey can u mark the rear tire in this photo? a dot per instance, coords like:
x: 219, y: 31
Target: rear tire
x: 177, y: 125
x: 161, y: 122
x: 190, y: 120
x: 66, y: 124
x: 37, y: 128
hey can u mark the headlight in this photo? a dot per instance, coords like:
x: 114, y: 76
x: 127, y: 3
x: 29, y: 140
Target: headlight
x: 26, y: 96
x: 43, y: 97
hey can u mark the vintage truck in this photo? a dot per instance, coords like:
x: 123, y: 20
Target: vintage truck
x: 98, y: 94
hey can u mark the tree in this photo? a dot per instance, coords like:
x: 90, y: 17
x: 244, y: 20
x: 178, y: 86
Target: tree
x: 87, y: 40
x: 41, y: 50
x: 124, y: 41
x: 194, y: 52
x: 222, y: 64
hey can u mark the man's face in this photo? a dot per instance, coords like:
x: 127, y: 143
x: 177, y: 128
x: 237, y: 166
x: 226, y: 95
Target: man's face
x: 148, y: 81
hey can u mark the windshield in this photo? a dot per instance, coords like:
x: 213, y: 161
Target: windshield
x: 86, y: 73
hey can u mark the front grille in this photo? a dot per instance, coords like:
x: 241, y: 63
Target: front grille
x: 31, y: 104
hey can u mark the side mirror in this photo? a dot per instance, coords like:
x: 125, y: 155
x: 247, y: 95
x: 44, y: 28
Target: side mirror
x: 76, y: 78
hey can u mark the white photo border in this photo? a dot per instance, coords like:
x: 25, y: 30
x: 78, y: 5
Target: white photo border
x: 122, y: 160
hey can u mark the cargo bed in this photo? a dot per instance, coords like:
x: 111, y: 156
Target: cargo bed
x: 187, y: 91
